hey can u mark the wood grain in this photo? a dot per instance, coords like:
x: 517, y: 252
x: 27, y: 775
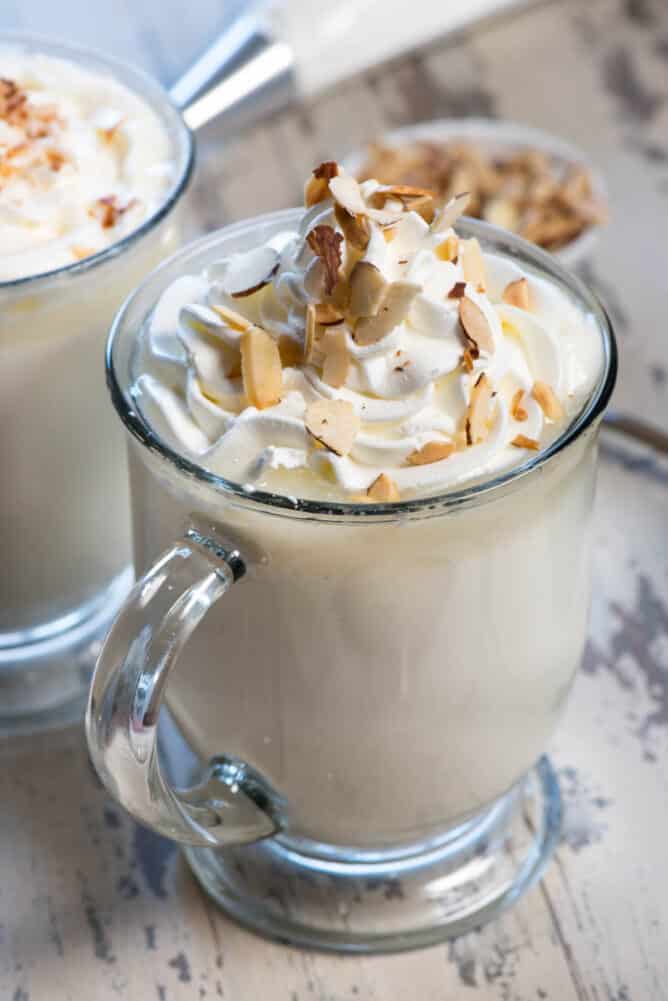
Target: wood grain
x: 93, y: 906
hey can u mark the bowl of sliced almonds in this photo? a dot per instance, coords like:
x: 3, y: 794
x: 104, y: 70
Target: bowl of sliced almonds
x: 519, y: 178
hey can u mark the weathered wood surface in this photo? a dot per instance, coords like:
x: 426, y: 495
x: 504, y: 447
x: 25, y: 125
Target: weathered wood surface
x: 91, y: 906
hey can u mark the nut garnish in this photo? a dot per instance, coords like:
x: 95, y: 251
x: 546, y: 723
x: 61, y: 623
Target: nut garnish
x: 547, y: 400
x: 478, y: 410
x: 337, y: 360
x: 393, y: 310
x: 517, y: 411
x: 458, y: 291
x: 355, y: 228
x: 233, y: 319
x: 414, y: 199
x: 312, y: 335
x: 367, y: 289
x: 473, y: 264
x: 433, y: 451
x: 248, y: 273
x: 291, y: 351
x: 327, y: 314
x: 317, y: 186
x: 476, y: 326
x: 467, y: 360
x: 517, y: 294
x: 260, y: 368
x: 79, y: 252
x: 450, y: 212
x: 449, y: 249
x: 333, y: 423
x: 521, y: 441
x: 108, y: 210
x: 384, y: 490
x: 325, y: 243
x: 346, y: 191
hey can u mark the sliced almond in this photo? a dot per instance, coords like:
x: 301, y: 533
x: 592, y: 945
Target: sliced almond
x: 477, y: 414
x: 521, y: 441
x: 333, y: 423
x: 414, y: 199
x: 449, y: 249
x: 517, y: 411
x: 476, y: 326
x: 355, y: 228
x: 291, y: 351
x: 450, y: 213
x: 367, y: 289
x: 433, y: 451
x: 317, y: 186
x: 458, y: 291
x: 326, y: 314
x: 473, y: 264
x: 312, y: 336
x: 233, y: 319
x: 393, y: 310
x: 389, y: 234
x: 467, y: 360
x: 346, y: 191
x: 517, y: 294
x: 384, y: 490
x: 501, y: 212
x: 325, y: 243
x: 248, y: 273
x: 79, y: 252
x: 260, y: 368
x: 337, y: 360
x: 547, y: 400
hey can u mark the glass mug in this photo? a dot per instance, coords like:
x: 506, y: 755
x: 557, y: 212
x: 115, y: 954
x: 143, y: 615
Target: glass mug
x: 368, y: 689
x: 64, y: 512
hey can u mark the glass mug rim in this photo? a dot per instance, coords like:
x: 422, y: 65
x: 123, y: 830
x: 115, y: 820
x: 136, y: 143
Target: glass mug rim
x: 147, y: 89
x: 328, y: 511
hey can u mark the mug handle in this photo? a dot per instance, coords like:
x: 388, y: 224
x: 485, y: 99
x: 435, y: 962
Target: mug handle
x: 233, y: 804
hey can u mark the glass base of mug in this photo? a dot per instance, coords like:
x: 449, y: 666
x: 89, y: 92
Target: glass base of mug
x: 350, y: 904
x: 45, y: 672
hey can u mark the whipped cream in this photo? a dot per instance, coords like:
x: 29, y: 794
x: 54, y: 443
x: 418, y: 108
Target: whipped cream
x: 445, y: 364
x: 83, y: 161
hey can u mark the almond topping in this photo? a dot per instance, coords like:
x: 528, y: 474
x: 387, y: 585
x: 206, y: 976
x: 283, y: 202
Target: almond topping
x: 393, y: 310
x: 337, y: 360
x: 325, y: 243
x: 433, y: 451
x: 108, y: 211
x: 547, y: 400
x: 521, y: 441
x: 449, y: 249
x: 80, y: 252
x: 355, y: 228
x: 457, y: 291
x: 248, y: 273
x: 260, y: 368
x: 476, y: 326
x: 450, y: 213
x: 478, y: 410
x: 312, y: 337
x: 389, y: 234
x: 517, y: 411
x: 384, y: 490
x: 473, y: 263
x: 233, y: 319
x: 290, y: 351
x: 327, y: 314
x: 367, y: 289
x: 333, y: 423
x: 317, y: 186
x: 346, y: 191
x: 517, y: 294
x: 467, y: 360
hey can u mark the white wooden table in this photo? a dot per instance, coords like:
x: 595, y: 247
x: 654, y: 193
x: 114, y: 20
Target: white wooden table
x: 94, y: 907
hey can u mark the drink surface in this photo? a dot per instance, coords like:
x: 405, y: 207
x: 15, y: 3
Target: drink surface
x: 83, y: 162
x: 370, y: 355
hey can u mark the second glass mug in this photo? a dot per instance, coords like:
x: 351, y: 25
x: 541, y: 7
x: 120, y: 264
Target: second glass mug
x: 370, y: 700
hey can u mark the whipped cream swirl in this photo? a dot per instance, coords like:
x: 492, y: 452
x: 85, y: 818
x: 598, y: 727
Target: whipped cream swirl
x: 421, y: 419
x: 83, y: 161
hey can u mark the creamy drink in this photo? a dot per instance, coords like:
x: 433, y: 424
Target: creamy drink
x: 380, y: 420
x: 90, y: 158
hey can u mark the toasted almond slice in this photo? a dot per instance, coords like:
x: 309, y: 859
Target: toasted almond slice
x: 424, y: 206
x: 393, y: 310
x: 355, y: 228
x: 517, y: 411
x: 337, y: 360
x: 433, y: 451
x: 478, y: 410
x: 291, y: 351
x: 326, y: 314
x: 384, y: 490
x: 476, y: 326
x: 333, y: 423
x: 389, y: 234
x: 325, y: 243
x: 472, y: 263
x: 457, y: 291
x: 517, y: 294
x: 449, y: 249
x: 547, y: 400
x: 312, y: 336
x: 317, y: 186
x: 233, y: 319
x: 261, y: 368
x: 467, y: 360
x: 367, y: 289
x: 450, y: 213
x: 521, y: 441
x: 346, y: 191
x: 248, y: 273
x: 501, y: 212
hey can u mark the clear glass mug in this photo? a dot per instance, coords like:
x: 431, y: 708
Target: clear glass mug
x: 368, y: 689
x: 64, y: 511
